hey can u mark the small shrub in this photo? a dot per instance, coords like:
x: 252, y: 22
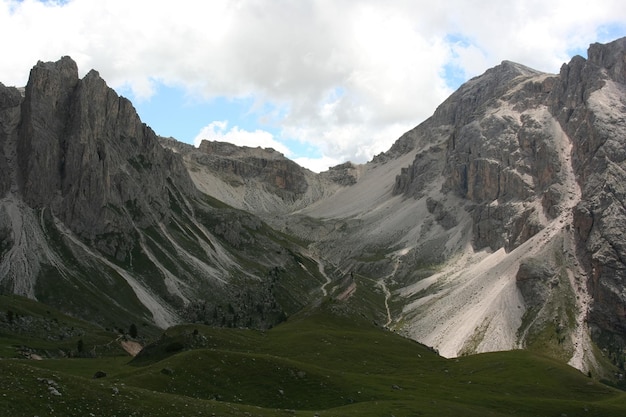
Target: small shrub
x: 174, y: 347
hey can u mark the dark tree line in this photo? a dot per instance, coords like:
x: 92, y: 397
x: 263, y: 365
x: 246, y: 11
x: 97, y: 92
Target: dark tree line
x: 255, y: 306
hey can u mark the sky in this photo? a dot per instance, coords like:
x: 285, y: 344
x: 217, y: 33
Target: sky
x: 322, y: 81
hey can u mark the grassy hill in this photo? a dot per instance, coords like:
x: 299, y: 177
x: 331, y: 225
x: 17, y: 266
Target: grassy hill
x: 324, y: 362
x: 30, y: 328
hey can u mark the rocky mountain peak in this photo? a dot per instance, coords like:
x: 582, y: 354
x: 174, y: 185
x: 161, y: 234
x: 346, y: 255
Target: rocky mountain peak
x: 465, y: 104
x: 611, y: 57
x: 509, y: 199
x: 510, y: 70
x: 244, y: 165
x: 64, y: 71
x: 472, y: 96
x: 44, y: 112
x: 489, y: 142
x: 523, y: 150
x: 84, y: 154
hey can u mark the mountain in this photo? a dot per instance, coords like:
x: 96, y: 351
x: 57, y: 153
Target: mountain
x: 101, y: 221
x: 493, y: 225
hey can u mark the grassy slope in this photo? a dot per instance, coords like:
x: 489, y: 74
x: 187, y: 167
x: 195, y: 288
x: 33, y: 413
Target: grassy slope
x: 324, y: 362
x: 46, y: 331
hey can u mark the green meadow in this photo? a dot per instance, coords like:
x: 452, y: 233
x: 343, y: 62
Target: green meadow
x: 324, y: 362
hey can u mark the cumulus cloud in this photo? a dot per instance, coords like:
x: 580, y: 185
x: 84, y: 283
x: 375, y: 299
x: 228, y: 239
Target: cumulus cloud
x: 318, y: 164
x: 347, y: 77
x: 219, y: 131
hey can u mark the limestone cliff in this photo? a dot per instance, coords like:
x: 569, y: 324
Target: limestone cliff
x: 83, y: 152
x: 495, y: 224
x: 261, y: 181
x: 98, y: 218
x: 590, y: 104
x: 513, y: 189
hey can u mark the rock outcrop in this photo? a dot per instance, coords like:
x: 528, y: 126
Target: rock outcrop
x: 239, y: 165
x: 534, y: 278
x: 345, y: 174
x: 83, y: 152
x: 515, y: 165
x: 590, y: 104
x: 502, y: 152
x: 500, y: 214
x: 100, y: 219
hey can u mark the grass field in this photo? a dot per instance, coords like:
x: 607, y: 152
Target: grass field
x: 322, y: 362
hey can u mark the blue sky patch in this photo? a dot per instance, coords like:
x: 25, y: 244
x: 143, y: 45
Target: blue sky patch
x: 172, y: 112
x: 453, y: 74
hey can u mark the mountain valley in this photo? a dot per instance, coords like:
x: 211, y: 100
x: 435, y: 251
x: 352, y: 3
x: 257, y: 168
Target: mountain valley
x: 493, y: 226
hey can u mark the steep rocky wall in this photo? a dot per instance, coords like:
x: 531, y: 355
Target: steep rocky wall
x: 10, y: 99
x: 590, y: 105
x: 239, y: 165
x: 520, y: 150
x: 498, y: 151
x: 45, y: 111
x: 100, y: 218
x: 84, y: 153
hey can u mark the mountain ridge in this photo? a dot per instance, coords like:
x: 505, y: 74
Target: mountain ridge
x: 492, y: 225
x: 116, y: 231
x: 511, y: 191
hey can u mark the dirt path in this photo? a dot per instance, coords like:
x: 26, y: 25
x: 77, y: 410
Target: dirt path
x: 320, y: 266
x: 387, y: 296
x: 383, y: 284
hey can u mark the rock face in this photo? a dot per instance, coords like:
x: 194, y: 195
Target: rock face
x: 516, y: 171
x: 344, y: 174
x: 590, y: 105
x: 83, y: 152
x: 10, y: 99
x: 98, y: 218
x: 534, y: 278
x: 270, y: 168
x: 501, y: 152
x: 79, y: 163
x: 495, y: 224
x: 500, y: 149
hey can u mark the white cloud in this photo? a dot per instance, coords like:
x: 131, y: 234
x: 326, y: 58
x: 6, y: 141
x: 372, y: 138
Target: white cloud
x: 318, y: 164
x: 348, y: 77
x: 219, y: 131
